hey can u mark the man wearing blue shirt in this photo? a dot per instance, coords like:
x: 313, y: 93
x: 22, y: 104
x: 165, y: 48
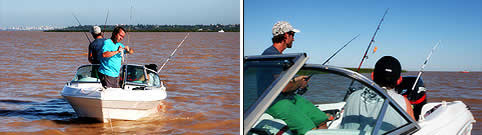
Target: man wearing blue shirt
x: 111, y: 60
x: 95, y: 48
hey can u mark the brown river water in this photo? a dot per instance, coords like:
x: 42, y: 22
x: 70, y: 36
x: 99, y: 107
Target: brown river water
x: 202, y: 83
x: 453, y: 86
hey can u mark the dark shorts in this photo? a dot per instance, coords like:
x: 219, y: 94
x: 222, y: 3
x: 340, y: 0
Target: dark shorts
x: 108, y: 81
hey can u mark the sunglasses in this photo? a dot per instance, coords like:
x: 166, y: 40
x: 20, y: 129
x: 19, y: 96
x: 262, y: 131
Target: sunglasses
x: 291, y: 33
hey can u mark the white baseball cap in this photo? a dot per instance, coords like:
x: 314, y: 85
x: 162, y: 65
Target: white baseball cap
x: 282, y: 27
x: 95, y: 30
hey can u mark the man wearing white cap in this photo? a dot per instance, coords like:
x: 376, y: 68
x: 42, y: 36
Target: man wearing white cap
x: 95, y: 48
x: 283, y: 37
x: 299, y: 114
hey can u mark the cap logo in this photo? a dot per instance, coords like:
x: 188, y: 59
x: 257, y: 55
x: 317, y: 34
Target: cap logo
x: 388, y: 70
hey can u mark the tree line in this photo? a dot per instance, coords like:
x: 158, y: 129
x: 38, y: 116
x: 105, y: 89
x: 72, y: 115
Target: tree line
x: 155, y: 28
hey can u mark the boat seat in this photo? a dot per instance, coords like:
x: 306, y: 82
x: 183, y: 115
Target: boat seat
x: 88, y: 79
x: 269, y: 125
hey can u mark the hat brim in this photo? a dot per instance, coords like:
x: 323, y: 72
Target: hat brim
x: 296, y: 30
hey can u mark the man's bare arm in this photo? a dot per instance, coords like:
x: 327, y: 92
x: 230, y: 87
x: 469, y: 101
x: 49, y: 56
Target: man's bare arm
x: 297, y: 82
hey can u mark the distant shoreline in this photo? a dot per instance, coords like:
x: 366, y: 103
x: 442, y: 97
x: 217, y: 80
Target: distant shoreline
x: 366, y: 70
x: 155, y: 28
x: 362, y: 70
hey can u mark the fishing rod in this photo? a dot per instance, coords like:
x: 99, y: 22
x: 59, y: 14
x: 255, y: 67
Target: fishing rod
x: 172, y: 53
x: 371, y: 41
x: 350, y: 88
x: 424, y: 64
x: 340, y: 49
x: 130, y: 22
x: 105, y: 23
x: 81, y: 25
x: 124, y: 56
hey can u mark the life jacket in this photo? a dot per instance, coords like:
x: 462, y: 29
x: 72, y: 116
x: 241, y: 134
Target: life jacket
x: 417, y: 97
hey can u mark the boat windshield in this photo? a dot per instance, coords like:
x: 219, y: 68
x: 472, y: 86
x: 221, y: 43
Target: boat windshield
x: 363, y: 105
x: 87, y: 73
x: 258, y: 76
x: 153, y: 79
x: 136, y: 75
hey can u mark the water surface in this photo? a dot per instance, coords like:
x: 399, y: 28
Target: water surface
x: 202, y: 83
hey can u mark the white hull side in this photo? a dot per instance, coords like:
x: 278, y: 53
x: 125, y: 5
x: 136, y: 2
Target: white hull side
x: 105, y: 110
x: 453, y: 118
x: 80, y: 106
x: 128, y: 114
x: 114, y: 103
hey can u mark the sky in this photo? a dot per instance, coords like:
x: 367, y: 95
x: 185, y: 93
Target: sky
x: 59, y: 12
x: 409, y: 31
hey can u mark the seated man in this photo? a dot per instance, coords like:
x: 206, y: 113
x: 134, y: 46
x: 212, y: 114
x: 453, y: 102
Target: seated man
x: 363, y: 106
x: 299, y: 114
x: 387, y: 74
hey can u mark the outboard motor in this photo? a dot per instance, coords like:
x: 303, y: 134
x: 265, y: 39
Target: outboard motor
x: 416, y: 97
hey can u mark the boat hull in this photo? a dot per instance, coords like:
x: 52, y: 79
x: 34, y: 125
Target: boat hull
x: 114, y: 103
x: 446, y: 118
x: 106, y: 110
x: 129, y: 110
x: 80, y: 104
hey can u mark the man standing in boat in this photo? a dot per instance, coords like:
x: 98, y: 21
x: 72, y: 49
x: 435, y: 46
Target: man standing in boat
x: 95, y: 48
x: 111, y: 60
x: 299, y: 114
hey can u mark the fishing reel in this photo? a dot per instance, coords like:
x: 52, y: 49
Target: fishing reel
x: 301, y: 91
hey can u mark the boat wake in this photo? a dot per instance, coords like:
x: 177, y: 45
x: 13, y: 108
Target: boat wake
x: 13, y: 101
x: 56, y: 109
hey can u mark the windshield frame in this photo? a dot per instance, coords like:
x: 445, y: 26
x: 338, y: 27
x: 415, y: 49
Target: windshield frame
x: 269, y: 95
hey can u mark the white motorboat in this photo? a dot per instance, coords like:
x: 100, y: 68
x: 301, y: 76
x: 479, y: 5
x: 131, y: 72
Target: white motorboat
x: 360, y: 106
x: 139, y: 96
